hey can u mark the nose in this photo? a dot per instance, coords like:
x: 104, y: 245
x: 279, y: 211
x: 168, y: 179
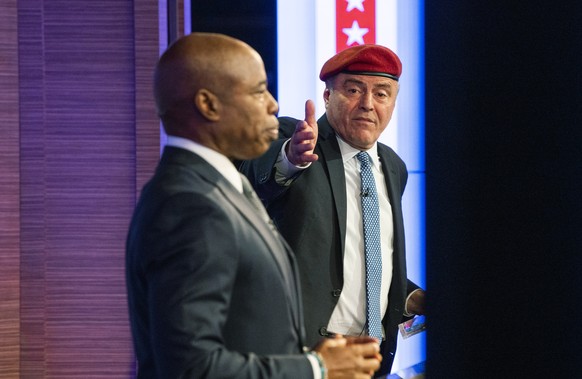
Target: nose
x: 272, y: 106
x: 366, y: 101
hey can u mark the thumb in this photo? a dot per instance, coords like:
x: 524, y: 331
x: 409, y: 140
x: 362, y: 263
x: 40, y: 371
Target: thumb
x: 310, y: 113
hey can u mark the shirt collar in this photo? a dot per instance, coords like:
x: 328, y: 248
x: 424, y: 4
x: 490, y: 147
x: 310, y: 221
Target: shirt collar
x: 220, y: 162
x: 348, y: 152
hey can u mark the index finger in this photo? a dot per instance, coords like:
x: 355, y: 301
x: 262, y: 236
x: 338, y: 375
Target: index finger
x: 366, y: 349
x: 362, y: 339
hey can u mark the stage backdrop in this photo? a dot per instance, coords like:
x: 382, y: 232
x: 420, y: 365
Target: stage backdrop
x: 309, y: 33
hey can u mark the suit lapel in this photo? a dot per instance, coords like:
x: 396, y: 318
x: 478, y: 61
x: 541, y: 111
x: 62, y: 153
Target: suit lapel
x: 276, y: 245
x: 334, y: 165
x: 392, y: 179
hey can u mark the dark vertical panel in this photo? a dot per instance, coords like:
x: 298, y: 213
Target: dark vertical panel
x: 32, y: 188
x: 252, y: 21
x: 504, y: 153
x: 175, y: 20
x: 147, y: 125
x: 9, y: 194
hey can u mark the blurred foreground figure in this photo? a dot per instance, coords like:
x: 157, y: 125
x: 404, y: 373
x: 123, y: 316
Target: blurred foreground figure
x: 212, y: 287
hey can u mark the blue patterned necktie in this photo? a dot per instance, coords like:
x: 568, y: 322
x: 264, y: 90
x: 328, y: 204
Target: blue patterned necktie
x: 371, y: 219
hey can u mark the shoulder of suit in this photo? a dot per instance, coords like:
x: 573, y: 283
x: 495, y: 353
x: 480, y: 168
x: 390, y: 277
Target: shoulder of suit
x: 287, y: 126
x: 385, y: 149
x: 390, y: 154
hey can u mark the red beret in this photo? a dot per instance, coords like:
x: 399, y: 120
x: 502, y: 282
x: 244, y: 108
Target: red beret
x: 363, y: 60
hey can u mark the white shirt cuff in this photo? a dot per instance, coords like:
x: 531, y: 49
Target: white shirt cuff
x: 285, y: 170
x: 315, y: 366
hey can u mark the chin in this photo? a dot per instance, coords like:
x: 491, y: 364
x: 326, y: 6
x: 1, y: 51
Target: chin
x: 263, y: 151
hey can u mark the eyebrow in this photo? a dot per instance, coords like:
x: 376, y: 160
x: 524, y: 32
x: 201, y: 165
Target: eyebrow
x: 261, y: 84
x: 377, y: 85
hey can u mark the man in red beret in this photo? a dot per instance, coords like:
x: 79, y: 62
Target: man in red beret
x: 335, y: 194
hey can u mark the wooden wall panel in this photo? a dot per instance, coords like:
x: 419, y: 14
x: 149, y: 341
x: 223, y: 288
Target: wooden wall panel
x: 32, y: 193
x: 87, y: 130
x: 89, y: 157
x: 9, y: 194
x: 147, y: 50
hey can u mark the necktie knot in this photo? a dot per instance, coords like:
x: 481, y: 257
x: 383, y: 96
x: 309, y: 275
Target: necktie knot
x: 364, y: 158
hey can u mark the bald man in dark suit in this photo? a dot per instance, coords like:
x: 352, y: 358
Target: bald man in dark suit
x: 212, y: 286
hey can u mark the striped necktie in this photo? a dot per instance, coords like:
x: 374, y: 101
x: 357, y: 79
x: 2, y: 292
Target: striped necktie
x: 282, y: 255
x: 252, y: 197
x: 371, y: 221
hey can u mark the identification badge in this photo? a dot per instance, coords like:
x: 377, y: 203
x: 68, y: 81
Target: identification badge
x: 412, y: 327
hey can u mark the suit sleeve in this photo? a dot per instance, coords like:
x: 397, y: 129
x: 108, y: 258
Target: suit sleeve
x: 261, y: 171
x: 190, y: 276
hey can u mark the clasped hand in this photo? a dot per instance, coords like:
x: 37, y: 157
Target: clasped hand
x: 350, y: 357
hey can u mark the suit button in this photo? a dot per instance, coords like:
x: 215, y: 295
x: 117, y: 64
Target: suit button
x: 336, y: 292
x: 323, y: 331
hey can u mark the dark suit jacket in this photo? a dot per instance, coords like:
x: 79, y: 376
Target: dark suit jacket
x: 311, y: 215
x: 206, y: 292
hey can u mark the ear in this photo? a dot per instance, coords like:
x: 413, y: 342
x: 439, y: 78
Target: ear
x: 207, y: 104
x: 326, y: 93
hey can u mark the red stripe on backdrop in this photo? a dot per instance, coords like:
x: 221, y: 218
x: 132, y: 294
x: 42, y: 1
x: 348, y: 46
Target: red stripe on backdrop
x: 351, y: 23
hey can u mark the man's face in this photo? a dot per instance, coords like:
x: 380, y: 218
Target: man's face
x: 359, y: 107
x: 250, y: 123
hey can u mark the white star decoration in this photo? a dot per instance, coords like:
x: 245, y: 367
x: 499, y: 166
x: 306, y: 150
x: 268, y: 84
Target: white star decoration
x: 355, y: 34
x: 353, y: 4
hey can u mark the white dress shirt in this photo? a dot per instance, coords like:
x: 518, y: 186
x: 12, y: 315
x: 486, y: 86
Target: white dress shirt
x: 220, y: 162
x: 349, y: 315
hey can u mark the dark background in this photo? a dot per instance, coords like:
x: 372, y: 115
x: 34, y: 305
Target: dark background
x: 504, y: 193
x: 252, y: 21
x: 504, y: 174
